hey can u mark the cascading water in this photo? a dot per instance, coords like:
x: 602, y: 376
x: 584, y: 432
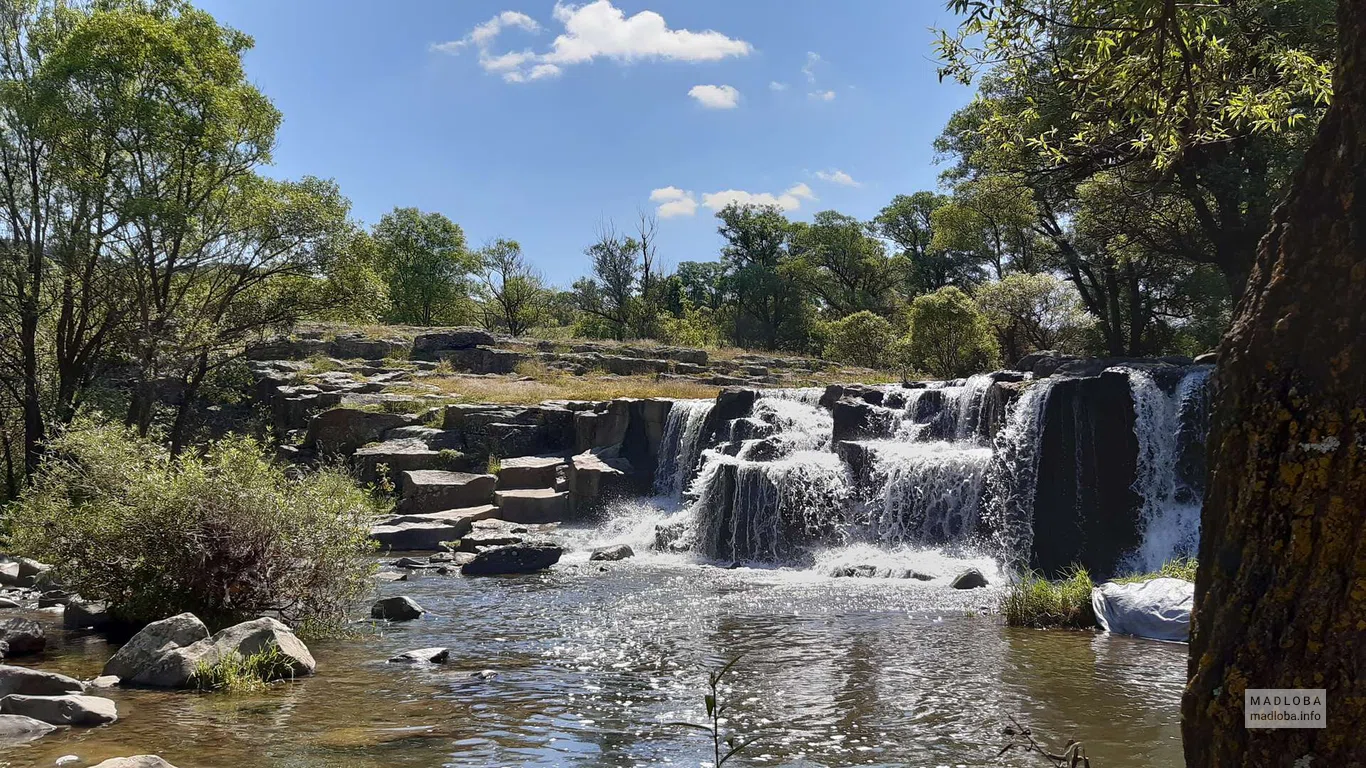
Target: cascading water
x: 1169, y: 517
x: 1012, y: 475
x: 680, y: 445
x: 924, y: 493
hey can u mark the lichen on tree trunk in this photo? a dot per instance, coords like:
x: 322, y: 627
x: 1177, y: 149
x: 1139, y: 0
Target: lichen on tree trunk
x: 1281, y: 591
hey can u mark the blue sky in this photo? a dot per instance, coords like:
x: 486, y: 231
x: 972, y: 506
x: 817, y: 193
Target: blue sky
x: 537, y: 121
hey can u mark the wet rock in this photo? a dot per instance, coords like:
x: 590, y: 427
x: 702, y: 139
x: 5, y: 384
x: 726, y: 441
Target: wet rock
x: 22, y: 637
x: 34, y: 682
x: 104, y: 681
x: 396, y: 609
x: 427, y: 345
x: 410, y: 562
x: 415, y: 536
x: 854, y: 420
x: 671, y: 538
x: 1208, y: 358
x: 493, y: 533
x: 594, y: 480
x: 136, y: 761
x: 70, y: 709
x: 619, y: 552
x: 425, y: 491
x: 85, y: 614
x: 422, y: 656
x: 20, y: 729
x: 175, y: 666
x: 533, y: 505
x: 145, y: 649
x: 5, y: 602
x: 969, y: 579
x: 513, y: 558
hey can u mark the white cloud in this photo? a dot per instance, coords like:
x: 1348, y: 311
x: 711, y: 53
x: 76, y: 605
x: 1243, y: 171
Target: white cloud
x: 595, y: 30
x: 716, y: 96
x: 674, y: 202
x: 813, y: 60
x: 822, y: 95
x: 836, y: 176
x: 777, y: 86
x: 789, y: 200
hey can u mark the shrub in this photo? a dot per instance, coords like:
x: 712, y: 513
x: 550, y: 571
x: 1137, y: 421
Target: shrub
x: 1037, y: 602
x: 226, y: 535
x: 949, y: 337
x: 863, y: 339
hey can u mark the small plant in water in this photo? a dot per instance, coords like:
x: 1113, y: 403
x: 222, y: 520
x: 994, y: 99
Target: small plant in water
x: 724, y: 746
x: 1072, y: 756
x: 237, y: 674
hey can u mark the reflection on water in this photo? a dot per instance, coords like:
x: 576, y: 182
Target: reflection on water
x: 591, y: 666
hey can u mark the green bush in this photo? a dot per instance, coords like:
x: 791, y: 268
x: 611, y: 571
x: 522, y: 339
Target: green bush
x: 863, y: 339
x: 949, y: 337
x: 1034, y: 601
x: 226, y: 535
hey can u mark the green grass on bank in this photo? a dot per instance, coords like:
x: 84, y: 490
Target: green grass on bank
x: 1037, y: 602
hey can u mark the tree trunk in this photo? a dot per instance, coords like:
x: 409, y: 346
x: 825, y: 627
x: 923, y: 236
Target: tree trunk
x: 180, y: 429
x: 1281, y: 591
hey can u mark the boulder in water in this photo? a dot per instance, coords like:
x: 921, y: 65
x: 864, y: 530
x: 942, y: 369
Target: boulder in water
x: 34, y: 682
x: 513, y: 558
x: 422, y: 656
x: 1159, y: 609
x: 19, y: 729
x: 69, y: 709
x: 619, y: 552
x: 145, y: 648
x: 22, y: 637
x: 399, y: 608
x: 969, y: 579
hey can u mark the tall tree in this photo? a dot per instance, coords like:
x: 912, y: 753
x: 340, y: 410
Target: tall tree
x: 837, y: 259
x: 908, y: 222
x: 512, y: 296
x: 772, y: 309
x: 425, y: 261
x: 1280, y: 601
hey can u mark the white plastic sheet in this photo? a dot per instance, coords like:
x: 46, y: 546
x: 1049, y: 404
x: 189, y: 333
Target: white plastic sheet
x: 1159, y: 609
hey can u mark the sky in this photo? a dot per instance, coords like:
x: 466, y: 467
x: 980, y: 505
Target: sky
x: 542, y: 121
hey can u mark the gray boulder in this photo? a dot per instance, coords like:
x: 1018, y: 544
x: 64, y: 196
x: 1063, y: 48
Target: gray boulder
x: 85, y: 614
x: 136, y: 761
x: 396, y: 609
x: 513, y: 558
x: 533, y: 505
x: 415, y: 536
x: 70, y: 709
x: 343, y: 430
x: 619, y: 552
x: 19, y: 729
x: 422, y: 656
x: 430, y: 490
x: 22, y: 637
x: 175, y: 668
x: 34, y: 682
x: 147, y: 647
x: 970, y: 579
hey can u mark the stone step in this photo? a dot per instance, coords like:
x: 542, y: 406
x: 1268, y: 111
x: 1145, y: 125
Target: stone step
x: 529, y: 472
x: 533, y: 505
x: 425, y: 491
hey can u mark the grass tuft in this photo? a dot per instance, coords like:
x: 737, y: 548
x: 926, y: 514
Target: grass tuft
x: 1180, y: 568
x: 236, y: 674
x: 1037, y: 602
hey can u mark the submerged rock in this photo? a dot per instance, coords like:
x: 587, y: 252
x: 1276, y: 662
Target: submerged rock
x: 34, y: 682
x: 969, y: 579
x: 70, y: 709
x: 396, y: 609
x: 513, y: 558
x: 422, y: 656
x: 18, y: 729
x: 136, y: 761
x: 619, y: 552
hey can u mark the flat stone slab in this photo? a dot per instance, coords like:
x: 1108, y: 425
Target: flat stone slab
x: 529, y: 472
x: 527, y: 557
x: 533, y: 505
x: 414, y: 537
x: 34, y: 682
x: 497, y: 533
x: 429, y: 490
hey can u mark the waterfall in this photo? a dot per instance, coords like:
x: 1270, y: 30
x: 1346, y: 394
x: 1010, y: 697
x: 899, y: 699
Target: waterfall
x: 679, y: 446
x: 925, y: 493
x: 1013, y: 474
x: 768, y: 510
x: 1169, y: 515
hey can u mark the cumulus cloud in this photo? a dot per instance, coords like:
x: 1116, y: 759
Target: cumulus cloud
x: 673, y: 202
x: 716, y: 96
x: 836, y: 176
x: 595, y: 30
x: 677, y: 202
